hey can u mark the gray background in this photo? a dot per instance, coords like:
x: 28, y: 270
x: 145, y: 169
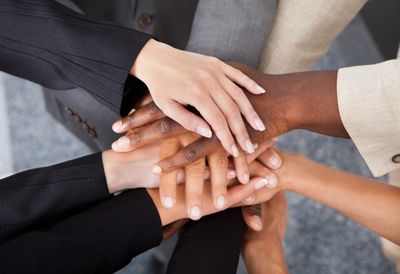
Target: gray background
x: 319, y: 240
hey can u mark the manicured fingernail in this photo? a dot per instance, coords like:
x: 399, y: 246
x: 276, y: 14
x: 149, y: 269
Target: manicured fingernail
x: 195, y: 213
x: 257, y: 223
x: 260, y: 184
x: 271, y: 181
x: 220, y: 202
x: 117, y: 126
x: 231, y: 174
x: 249, y: 146
x: 260, y: 89
x: 132, y: 111
x: 246, y: 178
x: 249, y: 200
x: 274, y: 161
x: 123, y: 142
x: 275, y: 139
x: 235, y: 151
x: 259, y: 124
x: 205, y: 132
x: 168, y: 202
x: 156, y: 170
x: 255, y: 145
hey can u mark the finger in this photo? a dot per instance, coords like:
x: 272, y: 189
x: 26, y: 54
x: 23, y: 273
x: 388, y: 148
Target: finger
x: 146, y: 100
x: 242, y: 79
x: 242, y: 168
x: 213, y: 115
x: 144, y: 115
x: 252, y: 217
x: 218, y: 163
x: 194, y: 174
x: 261, y: 148
x: 188, y: 154
x: 234, y: 119
x: 243, y: 103
x: 271, y: 159
x: 259, y: 170
x: 161, y: 129
x: 168, y: 181
x: 187, y: 119
x: 238, y: 193
x: 194, y: 181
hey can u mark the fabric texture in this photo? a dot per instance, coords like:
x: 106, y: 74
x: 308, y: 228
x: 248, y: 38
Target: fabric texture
x: 369, y: 103
x: 102, y: 239
x: 79, y: 53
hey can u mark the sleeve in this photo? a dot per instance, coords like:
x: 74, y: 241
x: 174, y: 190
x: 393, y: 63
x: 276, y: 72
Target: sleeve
x: 369, y: 100
x: 102, y: 239
x: 231, y: 30
x: 210, y: 245
x: 48, y: 194
x: 49, y: 44
x: 303, y: 32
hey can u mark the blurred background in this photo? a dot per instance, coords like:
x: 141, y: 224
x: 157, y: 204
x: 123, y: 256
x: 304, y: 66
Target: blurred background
x: 319, y: 240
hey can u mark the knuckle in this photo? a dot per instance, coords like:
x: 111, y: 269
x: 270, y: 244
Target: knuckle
x: 166, y: 126
x: 152, y: 108
x: 220, y: 161
x: 196, y: 172
x: 135, y: 139
x: 190, y: 154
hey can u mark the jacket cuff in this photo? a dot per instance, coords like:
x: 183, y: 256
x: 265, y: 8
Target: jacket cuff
x: 369, y: 103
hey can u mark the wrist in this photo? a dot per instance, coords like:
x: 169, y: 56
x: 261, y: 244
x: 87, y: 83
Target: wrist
x: 143, y: 63
x: 111, y: 172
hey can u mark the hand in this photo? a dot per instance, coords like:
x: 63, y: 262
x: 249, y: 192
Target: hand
x: 263, y: 251
x: 293, y: 101
x: 177, y: 78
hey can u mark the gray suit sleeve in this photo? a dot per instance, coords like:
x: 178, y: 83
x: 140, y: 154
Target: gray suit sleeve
x: 232, y: 30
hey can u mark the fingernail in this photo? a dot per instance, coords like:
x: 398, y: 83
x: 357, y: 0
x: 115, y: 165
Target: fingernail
x: 220, y: 202
x: 168, y: 202
x: 123, y: 142
x: 260, y: 89
x: 246, y: 178
x: 260, y: 184
x: 257, y: 223
x: 235, y: 151
x: 271, y: 181
x: 249, y: 200
x: 275, y: 139
x: 156, y: 170
x: 249, y: 146
x: 259, y: 124
x: 231, y: 174
x: 255, y: 145
x: 132, y: 111
x: 195, y: 213
x: 117, y: 126
x: 275, y: 161
x: 205, y: 132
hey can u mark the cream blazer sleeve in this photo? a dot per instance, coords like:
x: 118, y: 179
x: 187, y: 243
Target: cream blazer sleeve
x: 369, y: 105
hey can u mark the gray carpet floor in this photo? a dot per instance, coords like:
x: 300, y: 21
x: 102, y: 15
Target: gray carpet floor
x: 319, y: 239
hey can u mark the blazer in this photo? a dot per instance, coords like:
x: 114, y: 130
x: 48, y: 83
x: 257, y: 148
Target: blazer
x: 47, y: 43
x: 203, y: 26
x: 61, y: 219
x: 368, y: 96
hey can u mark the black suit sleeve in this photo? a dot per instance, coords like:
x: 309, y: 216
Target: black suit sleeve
x: 100, y: 240
x: 45, y: 42
x: 211, y: 245
x: 48, y: 194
